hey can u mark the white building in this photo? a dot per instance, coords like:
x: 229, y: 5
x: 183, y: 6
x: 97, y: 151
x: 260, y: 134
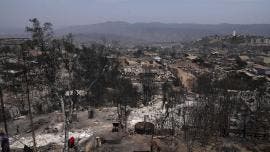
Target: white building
x: 234, y: 33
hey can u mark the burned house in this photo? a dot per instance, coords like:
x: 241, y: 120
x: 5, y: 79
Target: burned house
x: 261, y: 70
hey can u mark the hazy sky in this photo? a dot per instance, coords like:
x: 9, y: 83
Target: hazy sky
x: 15, y: 13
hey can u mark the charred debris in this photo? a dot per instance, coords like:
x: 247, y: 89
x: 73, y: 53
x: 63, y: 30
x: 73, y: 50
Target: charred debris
x: 206, y: 95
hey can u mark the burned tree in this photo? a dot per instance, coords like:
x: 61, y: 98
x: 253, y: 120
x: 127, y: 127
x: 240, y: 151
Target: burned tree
x: 148, y: 83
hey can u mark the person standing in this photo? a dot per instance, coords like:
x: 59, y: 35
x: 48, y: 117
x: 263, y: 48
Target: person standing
x: 72, y: 144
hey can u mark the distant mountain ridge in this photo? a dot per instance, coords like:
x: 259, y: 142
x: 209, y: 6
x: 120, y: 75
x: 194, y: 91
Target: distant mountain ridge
x: 159, y: 32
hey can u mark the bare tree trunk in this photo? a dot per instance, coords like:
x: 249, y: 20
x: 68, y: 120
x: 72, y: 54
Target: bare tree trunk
x: 65, y: 126
x: 244, y: 125
x: 4, y: 114
x: 184, y: 124
x: 28, y: 101
x: 3, y: 111
x: 125, y: 116
x: 30, y: 113
x: 68, y: 115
